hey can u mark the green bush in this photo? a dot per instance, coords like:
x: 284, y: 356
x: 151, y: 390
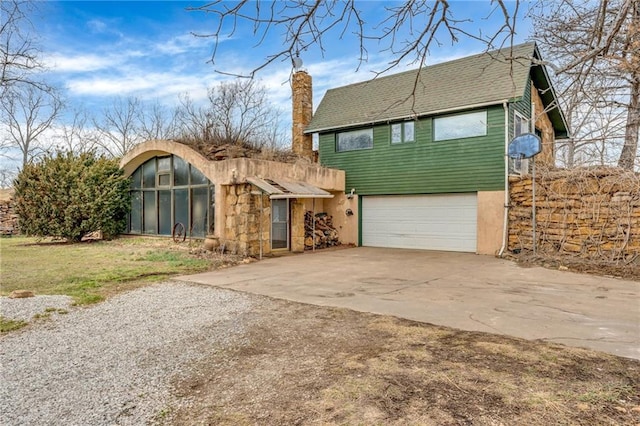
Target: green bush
x: 69, y: 196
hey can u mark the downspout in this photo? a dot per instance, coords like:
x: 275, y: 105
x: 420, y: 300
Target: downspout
x: 505, y: 228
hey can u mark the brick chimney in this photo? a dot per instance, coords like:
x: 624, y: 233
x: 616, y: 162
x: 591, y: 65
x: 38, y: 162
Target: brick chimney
x: 302, y: 96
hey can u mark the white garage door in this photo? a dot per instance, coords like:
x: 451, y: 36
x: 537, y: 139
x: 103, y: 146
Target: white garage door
x: 432, y: 222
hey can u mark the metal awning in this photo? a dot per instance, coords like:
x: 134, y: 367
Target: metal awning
x: 280, y: 189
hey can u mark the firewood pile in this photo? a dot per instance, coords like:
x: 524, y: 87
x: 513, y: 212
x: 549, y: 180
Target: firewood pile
x: 325, y: 234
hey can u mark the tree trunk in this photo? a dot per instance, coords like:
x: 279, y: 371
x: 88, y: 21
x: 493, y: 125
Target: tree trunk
x: 630, y: 148
x: 570, y: 155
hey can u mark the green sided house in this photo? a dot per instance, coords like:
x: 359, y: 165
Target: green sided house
x: 424, y: 151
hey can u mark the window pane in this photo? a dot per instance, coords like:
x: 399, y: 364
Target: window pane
x: 409, y: 131
x: 279, y: 224
x: 460, y: 126
x: 164, y: 179
x: 180, y: 172
x: 136, y: 179
x: 135, y: 221
x: 357, y: 139
x: 212, y: 209
x: 197, y: 178
x: 150, y: 212
x: 164, y: 163
x: 164, y: 213
x: 199, y: 210
x: 181, y: 207
x: 396, y: 133
x: 149, y: 172
x: 521, y: 125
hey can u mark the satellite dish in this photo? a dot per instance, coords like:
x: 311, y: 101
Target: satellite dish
x: 525, y: 146
x: 297, y: 62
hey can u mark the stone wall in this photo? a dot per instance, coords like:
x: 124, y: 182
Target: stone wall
x: 8, y: 217
x: 592, y: 213
x: 243, y: 218
x: 246, y: 223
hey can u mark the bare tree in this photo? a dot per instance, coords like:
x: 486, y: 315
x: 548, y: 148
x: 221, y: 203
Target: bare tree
x: 157, y: 122
x: 7, y: 177
x: 405, y: 29
x: 236, y: 112
x: 594, y: 49
x: 76, y: 136
x: 19, y: 55
x: 193, y: 121
x: 119, y: 126
x: 27, y: 112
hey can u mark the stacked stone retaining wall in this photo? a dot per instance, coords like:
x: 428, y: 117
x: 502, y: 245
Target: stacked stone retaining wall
x: 591, y: 213
x: 8, y: 216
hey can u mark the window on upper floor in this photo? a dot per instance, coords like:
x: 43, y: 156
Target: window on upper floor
x: 520, y: 124
x: 354, y: 140
x: 520, y: 127
x: 460, y: 126
x: 403, y: 132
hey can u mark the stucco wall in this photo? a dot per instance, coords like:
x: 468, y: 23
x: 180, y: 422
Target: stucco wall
x: 490, y: 222
x: 346, y: 225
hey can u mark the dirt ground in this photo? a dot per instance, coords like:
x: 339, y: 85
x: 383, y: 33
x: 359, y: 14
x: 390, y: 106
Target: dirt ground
x: 629, y: 270
x: 303, y: 364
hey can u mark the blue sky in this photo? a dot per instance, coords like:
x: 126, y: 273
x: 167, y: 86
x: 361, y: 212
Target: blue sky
x: 98, y: 50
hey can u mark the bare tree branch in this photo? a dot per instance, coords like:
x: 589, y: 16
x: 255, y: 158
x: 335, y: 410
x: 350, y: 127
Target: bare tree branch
x: 19, y: 55
x: 27, y: 113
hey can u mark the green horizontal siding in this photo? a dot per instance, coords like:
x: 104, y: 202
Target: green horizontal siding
x: 424, y: 166
x: 523, y: 106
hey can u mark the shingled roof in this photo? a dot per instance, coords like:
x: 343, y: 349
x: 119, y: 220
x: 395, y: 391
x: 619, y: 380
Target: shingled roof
x: 483, y: 79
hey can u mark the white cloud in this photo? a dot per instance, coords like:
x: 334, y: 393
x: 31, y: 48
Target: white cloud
x: 145, y: 85
x: 182, y: 44
x: 78, y: 63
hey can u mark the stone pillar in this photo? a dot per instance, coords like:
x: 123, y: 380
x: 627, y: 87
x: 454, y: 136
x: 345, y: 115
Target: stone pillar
x: 302, y: 97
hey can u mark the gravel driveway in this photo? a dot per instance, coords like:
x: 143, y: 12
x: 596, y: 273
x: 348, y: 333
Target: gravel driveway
x: 113, y: 363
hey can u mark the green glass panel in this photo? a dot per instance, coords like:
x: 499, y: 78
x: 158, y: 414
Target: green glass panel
x: 181, y: 207
x: 164, y: 163
x: 212, y: 209
x: 149, y: 174
x: 164, y: 179
x: 199, y: 210
x: 135, y: 218
x: 136, y: 179
x: 150, y: 213
x: 180, y: 172
x: 197, y: 178
x: 164, y: 213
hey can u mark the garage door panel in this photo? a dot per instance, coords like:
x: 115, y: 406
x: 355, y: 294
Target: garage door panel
x: 433, y: 222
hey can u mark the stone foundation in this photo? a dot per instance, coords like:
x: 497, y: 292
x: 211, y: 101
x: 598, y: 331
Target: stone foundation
x: 591, y: 213
x: 242, y: 221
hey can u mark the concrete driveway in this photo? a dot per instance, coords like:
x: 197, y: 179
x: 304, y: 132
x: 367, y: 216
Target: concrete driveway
x: 458, y: 290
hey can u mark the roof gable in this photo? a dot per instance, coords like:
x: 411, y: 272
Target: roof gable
x: 483, y: 79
